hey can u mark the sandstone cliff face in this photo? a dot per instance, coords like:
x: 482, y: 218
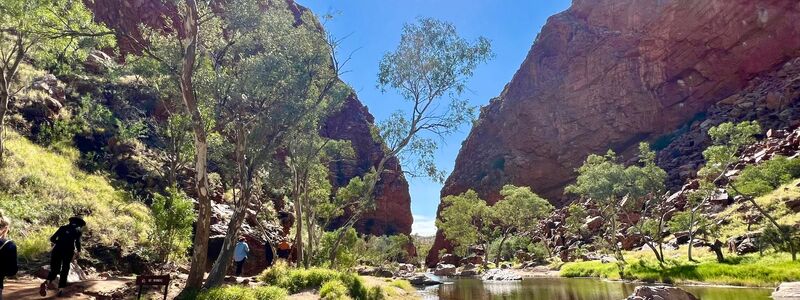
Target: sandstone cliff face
x: 393, y: 203
x: 393, y: 210
x: 610, y: 73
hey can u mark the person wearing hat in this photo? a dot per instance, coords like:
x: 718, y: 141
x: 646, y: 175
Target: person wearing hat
x: 66, y: 247
x: 240, y: 254
x: 8, y: 253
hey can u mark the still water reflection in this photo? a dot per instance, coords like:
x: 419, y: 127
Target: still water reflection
x: 568, y: 289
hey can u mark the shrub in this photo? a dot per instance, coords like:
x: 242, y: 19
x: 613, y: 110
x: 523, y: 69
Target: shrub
x: 333, y: 290
x: 35, y: 244
x: 173, y: 216
x: 346, y: 252
x: 376, y: 293
x: 296, y: 280
x: 757, y: 180
x: 381, y: 249
x: 57, y: 134
x: 242, y: 293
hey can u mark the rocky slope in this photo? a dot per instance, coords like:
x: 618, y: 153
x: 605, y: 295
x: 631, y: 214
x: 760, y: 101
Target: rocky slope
x: 608, y: 74
x: 352, y: 122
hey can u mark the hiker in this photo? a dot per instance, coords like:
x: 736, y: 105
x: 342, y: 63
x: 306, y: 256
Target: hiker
x: 240, y: 254
x: 8, y: 254
x: 284, y: 250
x: 66, y: 248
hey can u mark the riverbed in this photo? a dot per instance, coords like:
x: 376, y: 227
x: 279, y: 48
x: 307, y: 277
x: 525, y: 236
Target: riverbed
x: 569, y: 289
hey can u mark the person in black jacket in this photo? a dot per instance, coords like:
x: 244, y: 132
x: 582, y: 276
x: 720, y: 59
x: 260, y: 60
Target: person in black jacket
x: 66, y: 247
x: 8, y: 254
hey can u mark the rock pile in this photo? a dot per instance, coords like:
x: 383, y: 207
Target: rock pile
x: 660, y: 293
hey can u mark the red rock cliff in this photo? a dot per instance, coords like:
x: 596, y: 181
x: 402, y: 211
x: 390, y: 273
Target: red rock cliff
x: 393, y: 209
x: 610, y: 73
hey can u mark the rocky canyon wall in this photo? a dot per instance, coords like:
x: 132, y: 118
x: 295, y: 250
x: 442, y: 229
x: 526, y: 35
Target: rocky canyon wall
x: 607, y: 74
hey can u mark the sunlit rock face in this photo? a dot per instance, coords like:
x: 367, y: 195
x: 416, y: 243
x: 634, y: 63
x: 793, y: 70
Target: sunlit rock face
x: 607, y: 74
x: 352, y: 122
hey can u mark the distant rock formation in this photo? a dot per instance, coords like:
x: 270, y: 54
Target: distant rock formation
x: 609, y: 74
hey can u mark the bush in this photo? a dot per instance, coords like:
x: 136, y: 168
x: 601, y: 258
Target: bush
x: 296, y: 280
x: 173, y: 216
x: 243, y: 293
x: 346, y: 253
x: 57, y: 134
x: 381, y: 249
x: 40, y: 189
x: 35, y: 244
x: 333, y: 290
x: 376, y: 293
x: 757, y: 180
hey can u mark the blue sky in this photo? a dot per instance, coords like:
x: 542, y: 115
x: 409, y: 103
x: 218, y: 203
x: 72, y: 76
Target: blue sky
x: 373, y: 27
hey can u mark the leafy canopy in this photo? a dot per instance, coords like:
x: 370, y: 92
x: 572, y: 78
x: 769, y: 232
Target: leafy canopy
x: 429, y: 69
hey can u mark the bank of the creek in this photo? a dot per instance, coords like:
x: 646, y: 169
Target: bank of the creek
x: 569, y: 289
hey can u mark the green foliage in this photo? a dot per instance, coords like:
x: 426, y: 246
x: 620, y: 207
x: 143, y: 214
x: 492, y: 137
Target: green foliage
x: 57, y: 134
x: 35, y: 244
x: 346, y: 256
x: 728, y: 139
x: 58, y: 33
x: 576, y: 217
x: 461, y: 219
x: 376, y: 292
x: 749, y: 270
x: 429, y: 68
x: 381, y: 249
x: 243, y: 293
x: 173, y: 216
x: 784, y: 238
x: 296, y: 280
x: 41, y: 189
x: 617, y: 189
x: 758, y: 180
x: 590, y: 269
x: 127, y: 131
x: 333, y: 290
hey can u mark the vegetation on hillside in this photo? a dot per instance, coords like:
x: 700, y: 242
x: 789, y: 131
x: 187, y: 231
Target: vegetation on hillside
x: 763, y: 191
x: 40, y: 189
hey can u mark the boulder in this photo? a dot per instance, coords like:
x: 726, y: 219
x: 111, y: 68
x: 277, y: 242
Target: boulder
x: 365, y: 270
x: 660, y: 293
x: 445, y: 270
x: 422, y: 280
x: 787, y: 291
x: 383, y: 272
x: 450, y: 259
x: 76, y: 273
x: 607, y: 259
x: 500, y: 275
x: 594, y: 224
x: 472, y: 259
x: 98, y: 62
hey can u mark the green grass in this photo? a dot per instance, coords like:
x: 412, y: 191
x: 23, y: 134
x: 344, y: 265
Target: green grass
x: 748, y: 270
x: 297, y: 280
x: 40, y: 189
x: 243, y: 293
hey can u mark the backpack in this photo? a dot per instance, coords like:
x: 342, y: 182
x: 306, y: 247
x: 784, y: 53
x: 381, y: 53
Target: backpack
x: 4, y: 244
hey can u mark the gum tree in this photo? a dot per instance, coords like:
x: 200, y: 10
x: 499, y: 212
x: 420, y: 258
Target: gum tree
x: 429, y: 69
x: 517, y: 214
x: 272, y: 79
